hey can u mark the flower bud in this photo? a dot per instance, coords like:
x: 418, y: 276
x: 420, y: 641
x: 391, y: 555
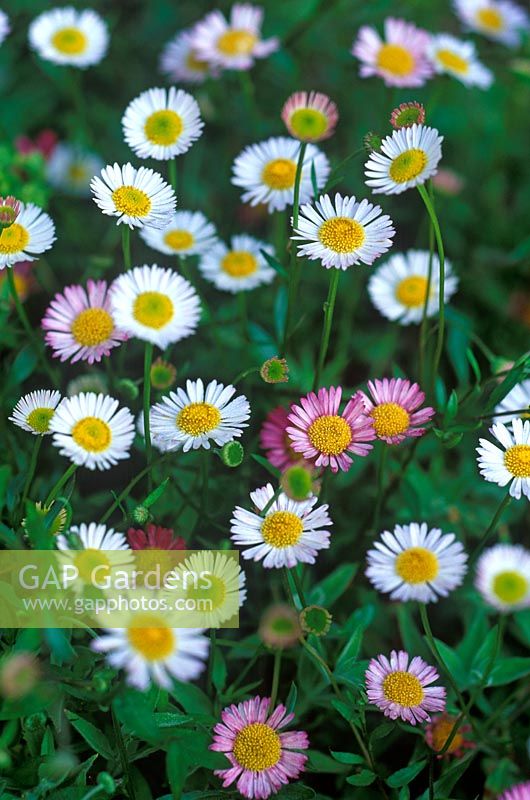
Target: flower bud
x: 141, y: 515
x: 372, y: 142
x: 275, y: 370
x: 127, y: 389
x: 297, y: 482
x: 232, y: 454
x: 163, y: 374
x: 407, y: 114
x: 315, y: 620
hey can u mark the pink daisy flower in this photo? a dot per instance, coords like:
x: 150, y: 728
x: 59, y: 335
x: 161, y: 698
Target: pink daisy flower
x: 154, y: 537
x: 519, y: 792
x: 400, y: 60
x: 79, y: 324
x: 401, y: 690
x: 310, y: 116
x: 325, y: 437
x: 394, y: 407
x: 274, y: 439
x: 262, y: 758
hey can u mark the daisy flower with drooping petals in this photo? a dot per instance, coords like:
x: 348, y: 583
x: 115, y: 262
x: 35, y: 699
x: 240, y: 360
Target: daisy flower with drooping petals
x: 79, y: 324
x: 415, y: 563
x: 137, y: 197
x: 275, y: 440
x: 401, y: 690
x: 408, y: 158
x: 289, y: 533
x: 325, y: 437
x: 503, y: 577
x: 199, y: 415
x: 187, y: 233
x: 394, y: 407
x: 32, y: 233
x: 262, y: 758
x: 266, y: 171
x: 179, y: 61
x: 240, y: 267
x: 4, y: 26
x: 154, y: 537
x: 500, y: 20
x: 400, y: 59
x: 509, y: 463
x: 71, y: 169
x: 438, y: 731
x: 310, y: 116
x: 34, y: 411
x: 406, y: 114
x: 154, y: 304
x: 92, y: 431
x: 451, y: 56
x: 71, y: 37
x: 519, y: 792
x: 398, y: 287
x: 516, y: 399
x: 233, y: 44
x: 226, y: 593
x: 343, y: 233
x: 151, y: 652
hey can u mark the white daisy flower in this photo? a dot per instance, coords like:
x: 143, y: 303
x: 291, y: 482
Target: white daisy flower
x: 290, y: 532
x: 71, y: 169
x: 34, y: 411
x: 162, y: 123
x: 500, y: 20
x: 198, y: 416
x: 226, y: 592
x: 137, y: 197
x: 503, y: 577
x: 32, y: 233
x: 509, y: 463
x: 516, y: 399
x: 84, y: 551
x: 92, y: 431
x: 451, y: 56
x: 408, y: 158
x: 239, y: 267
x: 343, y: 233
x: 415, y: 563
x: 154, y: 304
x: 180, y: 63
x: 4, y: 26
x: 187, y: 233
x: 398, y: 287
x: 68, y: 36
x: 266, y: 171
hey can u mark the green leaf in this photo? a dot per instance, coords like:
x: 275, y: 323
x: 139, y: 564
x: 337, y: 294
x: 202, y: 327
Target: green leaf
x: 322, y: 763
x: 155, y: 494
x: 347, y: 758
x: 290, y: 703
x: 404, y: 776
x: 23, y: 365
x: 333, y: 586
x: 92, y: 735
x: 266, y: 465
x: 363, y: 778
x: 191, y: 698
x: 176, y: 769
x: 219, y: 670
x: 272, y: 262
x: 136, y: 714
x: 352, y: 647
x: 508, y: 670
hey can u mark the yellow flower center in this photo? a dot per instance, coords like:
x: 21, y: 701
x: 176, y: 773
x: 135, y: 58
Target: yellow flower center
x: 131, y: 201
x: 408, y: 165
x: 395, y: 59
x: 153, y: 309
x: 452, y: 61
x: 13, y: 239
x: 390, y: 419
x: 510, y: 586
x: 194, y: 63
x: 411, y: 291
x: 441, y: 730
x: 239, y: 264
x: 257, y: 747
x: 417, y: 565
x: 70, y: 41
x: 87, y: 560
x: 163, y: 127
x: 341, y: 234
x: 179, y: 239
x: 198, y: 418
x: 282, y: 529
x: 517, y: 460
x: 403, y: 688
x: 153, y: 643
x: 216, y: 593
x: 92, y: 434
x: 236, y: 43
x: 39, y: 419
x: 308, y: 123
x: 490, y: 18
x: 330, y: 434
x: 92, y: 326
x: 279, y: 173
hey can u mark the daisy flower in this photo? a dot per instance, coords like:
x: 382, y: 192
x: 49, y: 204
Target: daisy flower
x: 179, y: 61
x: 409, y: 157
x: 451, y: 56
x: 79, y: 324
x: 4, y: 26
x: 324, y: 436
x: 240, y: 267
x: 310, y: 116
x: 394, y: 407
x: 199, y: 415
x: 500, y: 20
x: 415, y: 563
x: 92, y: 431
x: 519, y: 792
x: 234, y: 43
x: 154, y: 304
x: 400, y: 59
x: 90, y: 547
x: 275, y: 440
x: 343, y: 233
x: 226, y: 593
x: 503, y: 577
x: 34, y: 411
x: 289, y: 533
x: 401, y: 690
x: 266, y: 171
x: 440, y: 728
x: 151, y: 652
x: 186, y: 233
x: 71, y: 37
x: 262, y: 757
x: 70, y: 169
x: 137, y: 197
x: 398, y: 287
x: 509, y: 463
x: 32, y: 233
x: 516, y: 399
x: 154, y: 537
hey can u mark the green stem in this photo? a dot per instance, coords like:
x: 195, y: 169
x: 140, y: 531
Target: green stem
x: 205, y: 474
x: 274, y: 497
x: 31, y: 472
x: 276, y: 676
x: 245, y: 374
x: 128, y: 489
x: 148, y: 358
x: 211, y: 661
x: 60, y: 483
x: 380, y: 485
x: 329, y: 308
x: 172, y: 173
x: 294, y: 272
x: 35, y: 343
x: 93, y: 793
x: 424, y: 318
x: 429, y: 205
x: 489, y: 530
x: 296, y: 579
x: 124, y: 759
x: 436, y: 653
x: 279, y: 234
x: 126, y: 245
